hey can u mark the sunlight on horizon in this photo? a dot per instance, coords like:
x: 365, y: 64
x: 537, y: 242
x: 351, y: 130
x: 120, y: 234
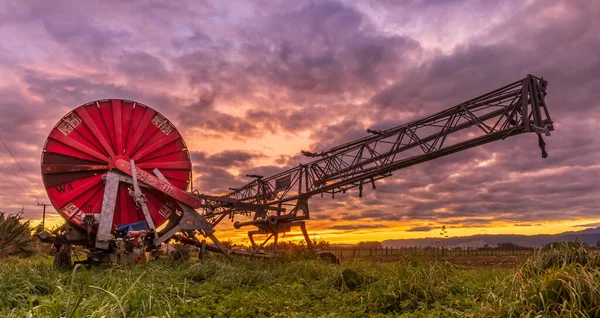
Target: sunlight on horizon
x: 225, y: 230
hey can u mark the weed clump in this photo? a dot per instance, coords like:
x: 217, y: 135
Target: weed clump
x: 565, y: 253
x: 15, y: 235
x: 415, y: 286
x: 201, y: 272
x: 349, y: 278
x: 561, y: 281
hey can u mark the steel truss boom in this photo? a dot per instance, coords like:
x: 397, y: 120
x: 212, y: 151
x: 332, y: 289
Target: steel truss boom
x: 514, y: 109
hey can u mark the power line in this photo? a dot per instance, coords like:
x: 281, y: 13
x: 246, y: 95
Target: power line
x: 30, y: 190
x: 20, y: 186
x: 15, y: 160
x: 11, y: 179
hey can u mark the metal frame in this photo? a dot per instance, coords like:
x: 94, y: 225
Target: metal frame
x: 508, y: 111
x: 280, y: 202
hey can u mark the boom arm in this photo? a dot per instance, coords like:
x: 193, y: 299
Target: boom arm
x: 508, y: 111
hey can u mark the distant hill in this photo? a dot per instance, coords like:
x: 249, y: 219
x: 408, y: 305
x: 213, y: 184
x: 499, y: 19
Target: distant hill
x: 589, y: 236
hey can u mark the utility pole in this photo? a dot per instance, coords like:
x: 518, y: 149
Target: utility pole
x: 43, y: 215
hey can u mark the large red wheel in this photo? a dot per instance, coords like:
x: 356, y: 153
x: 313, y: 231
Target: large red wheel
x: 83, y: 146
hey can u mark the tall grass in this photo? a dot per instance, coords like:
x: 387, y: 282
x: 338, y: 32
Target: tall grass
x: 564, y: 281
x: 240, y: 287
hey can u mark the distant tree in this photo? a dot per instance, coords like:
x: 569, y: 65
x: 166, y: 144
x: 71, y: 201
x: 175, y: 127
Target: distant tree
x: 444, y: 235
x: 598, y: 244
x: 484, y: 247
x: 320, y: 244
x: 369, y: 244
x: 288, y: 245
x: 444, y: 232
x: 299, y: 245
x: 509, y: 246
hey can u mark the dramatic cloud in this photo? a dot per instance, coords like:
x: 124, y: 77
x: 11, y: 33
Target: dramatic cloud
x: 251, y: 84
x: 420, y: 229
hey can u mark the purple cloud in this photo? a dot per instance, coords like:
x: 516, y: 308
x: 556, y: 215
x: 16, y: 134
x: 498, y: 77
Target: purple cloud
x: 232, y: 77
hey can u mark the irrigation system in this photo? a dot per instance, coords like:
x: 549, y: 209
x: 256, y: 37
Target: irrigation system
x: 119, y: 172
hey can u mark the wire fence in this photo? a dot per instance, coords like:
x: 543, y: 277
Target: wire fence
x: 349, y: 252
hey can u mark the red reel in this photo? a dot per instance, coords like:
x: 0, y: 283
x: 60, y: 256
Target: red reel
x: 84, y: 145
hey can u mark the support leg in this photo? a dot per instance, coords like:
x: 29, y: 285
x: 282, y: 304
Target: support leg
x: 108, y: 211
x: 202, y: 250
x: 261, y: 245
x: 305, y: 234
x: 251, y: 237
x: 140, y: 200
x: 275, y: 239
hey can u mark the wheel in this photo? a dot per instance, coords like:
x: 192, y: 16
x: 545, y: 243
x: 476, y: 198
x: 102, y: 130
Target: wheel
x: 62, y: 258
x: 328, y: 257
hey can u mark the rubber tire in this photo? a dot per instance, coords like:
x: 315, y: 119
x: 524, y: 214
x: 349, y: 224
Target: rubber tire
x: 62, y: 259
x: 328, y: 257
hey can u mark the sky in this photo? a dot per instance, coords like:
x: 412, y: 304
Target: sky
x: 250, y: 84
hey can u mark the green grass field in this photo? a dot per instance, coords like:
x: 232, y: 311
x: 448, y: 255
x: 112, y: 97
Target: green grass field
x: 564, y: 282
